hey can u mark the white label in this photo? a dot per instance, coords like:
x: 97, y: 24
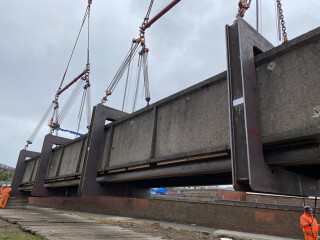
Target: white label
x: 238, y: 101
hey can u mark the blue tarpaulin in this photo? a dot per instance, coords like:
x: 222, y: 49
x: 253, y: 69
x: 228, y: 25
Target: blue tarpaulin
x: 158, y: 191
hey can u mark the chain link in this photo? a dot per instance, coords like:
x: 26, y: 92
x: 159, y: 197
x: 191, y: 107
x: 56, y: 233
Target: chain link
x: 282, y: 22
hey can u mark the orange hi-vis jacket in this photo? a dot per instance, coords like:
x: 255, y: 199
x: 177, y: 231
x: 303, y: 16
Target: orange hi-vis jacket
x: 310, y: 232
x: 6, y: 194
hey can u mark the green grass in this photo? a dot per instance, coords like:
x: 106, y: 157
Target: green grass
x: 11, y: 231
x: 19, y: 236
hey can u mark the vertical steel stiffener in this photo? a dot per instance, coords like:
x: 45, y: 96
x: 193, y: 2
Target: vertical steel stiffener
x: 38, y: 188
x: 88, y: 184
x: 249, y: 170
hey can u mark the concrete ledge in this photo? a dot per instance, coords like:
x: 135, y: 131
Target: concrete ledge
x: 249, y: 236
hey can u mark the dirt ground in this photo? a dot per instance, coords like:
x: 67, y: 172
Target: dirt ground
x: 13, y: 232
x: 159, y: 230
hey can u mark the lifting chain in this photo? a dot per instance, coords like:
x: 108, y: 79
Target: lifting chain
x: 281, y: 21
x: 243, y: 7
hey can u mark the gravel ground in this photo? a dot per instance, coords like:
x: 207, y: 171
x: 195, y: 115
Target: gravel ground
x: 159, y: 230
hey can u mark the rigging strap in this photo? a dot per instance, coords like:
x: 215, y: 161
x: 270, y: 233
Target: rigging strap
x: 72, y: 132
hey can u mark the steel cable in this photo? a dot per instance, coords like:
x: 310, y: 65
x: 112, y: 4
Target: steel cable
x: 113, y: 83
x: 88, y: 107
x: 137, y: 83
x: 148, y: 13
x: 74, y: 47
x: 126, y: 86
x: 130, y: 83
x: 72, y: 98
x: 41, y: 122
x: 146, y: 77
x: 258, y: 16
x: 88, y: 48
x: 81, y: 108
x: 69, y: 104
x: 69, y: 100
x: 131, y: 53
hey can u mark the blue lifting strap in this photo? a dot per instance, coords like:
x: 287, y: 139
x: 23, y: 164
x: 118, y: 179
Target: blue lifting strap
x: 72, y: 132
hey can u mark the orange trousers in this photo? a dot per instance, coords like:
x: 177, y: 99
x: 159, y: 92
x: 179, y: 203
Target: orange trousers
x: 310, y: 237
x: 4, y: 199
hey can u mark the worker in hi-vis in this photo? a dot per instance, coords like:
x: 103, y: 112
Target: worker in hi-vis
x: 2, y: 189
x: 309, y: 224
x: 5, y: 196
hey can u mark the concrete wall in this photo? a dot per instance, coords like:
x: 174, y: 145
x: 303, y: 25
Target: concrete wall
x: 30, y: 170
x: 132, y: 140
x: 266, y: 219
x: 67, y: 160
x: 196, y: 120
x: 288, y: 83
x: 184, y: 125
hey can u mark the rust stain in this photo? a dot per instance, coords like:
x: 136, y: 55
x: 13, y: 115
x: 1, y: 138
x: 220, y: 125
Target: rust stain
x: 140, y: 204
x: 262, y: 216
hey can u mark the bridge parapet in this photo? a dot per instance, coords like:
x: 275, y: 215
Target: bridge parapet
x: 30, y: 170
x: 67, y: 160
x: 185, y: 138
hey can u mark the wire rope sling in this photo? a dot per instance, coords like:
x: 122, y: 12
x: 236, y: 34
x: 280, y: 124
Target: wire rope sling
x: 138, y: 46
x: 57, y: 116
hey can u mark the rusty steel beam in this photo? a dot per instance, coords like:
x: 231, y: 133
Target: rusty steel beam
x: 72, y: 82
x: 160, y: 14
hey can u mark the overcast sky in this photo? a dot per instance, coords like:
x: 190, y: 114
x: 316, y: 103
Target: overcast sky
x: 186, y: 46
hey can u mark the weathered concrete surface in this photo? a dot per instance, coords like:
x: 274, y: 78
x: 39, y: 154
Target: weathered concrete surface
x: 196, y: 120
x: 132, y: 140
x: 54, y: 163
x: 30, y: 170
x: 236, y: 216
x: 67, y: 160
x: 70, y: 159
x: 288, y: 83
x: 53, y: 225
